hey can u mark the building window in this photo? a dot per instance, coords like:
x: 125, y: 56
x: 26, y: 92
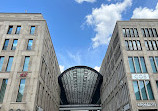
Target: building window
x: 143, y: 90
x: 14, y: 44
x: 21, y: 90
x: 130, y: 32
x: 32, y: 31
x: 133, y: 45
x: 149, y: 32
x: 26, y: 63
x: 1, y: 62
x: 5, y: 44
x: 151, y: 44
x: 10, y: 29
x: 9, y: 65
x: 29, y: 46
x: 154, y: 63
x: 3, y: 88
x: 18, y: 30
x: 137, y: 65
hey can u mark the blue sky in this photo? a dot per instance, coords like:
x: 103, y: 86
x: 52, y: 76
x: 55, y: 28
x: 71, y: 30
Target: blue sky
x: 81, y: 29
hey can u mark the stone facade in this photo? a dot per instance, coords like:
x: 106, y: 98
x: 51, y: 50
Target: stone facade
x: 41, y: 82
x: 117, y: 91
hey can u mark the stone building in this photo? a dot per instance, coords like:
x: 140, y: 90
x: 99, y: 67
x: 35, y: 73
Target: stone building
x: 130, y: 67
x: 28, y: 65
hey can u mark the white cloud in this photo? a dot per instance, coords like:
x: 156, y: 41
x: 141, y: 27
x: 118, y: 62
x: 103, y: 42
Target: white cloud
x: 76, y: 57
x: 80, y: 1
x: 61, y: 68
x: 97, y: 68
x: 145, y: 12
x: 103, y: 19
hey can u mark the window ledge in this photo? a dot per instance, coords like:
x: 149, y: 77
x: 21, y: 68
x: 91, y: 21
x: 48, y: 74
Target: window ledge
x: 18, y: 102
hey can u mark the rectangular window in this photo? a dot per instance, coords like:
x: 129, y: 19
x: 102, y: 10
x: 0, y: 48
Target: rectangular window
x: 131, y: 64
x: 32, y: 31
x: 10, y: 29
x: 26, y: 63
x: 154, y: 45
x: 146, y: 45
x: 127, y: 32
x: 151, y: 32
x: 133, y: 45
x: 143, y: 90
x: 10, y: 61
x: 130, y: 45
x: 149, y: 90
x: 136, y: 32
x: 21, y: 90
x: 137, y: 65
x: 1, y: 62
x: 143, y: 66
x: 153, y: 65
x: 29, y: 46
x: 14, y: 44
x: 3, y: 88
x: 146, y: 32
x: 143, y: 31
x: 131, y: 32
x: 126, y: 44
x: 124, y: 32
x: 150, y: 45
x: 157, y: 83
x: 139, y: 45
x: 18, y: 30
x: 5, y: 44
x: 136, y: 90
x: 154, y: 32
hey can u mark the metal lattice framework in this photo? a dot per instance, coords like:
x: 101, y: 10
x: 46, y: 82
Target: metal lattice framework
x: 80, y: 85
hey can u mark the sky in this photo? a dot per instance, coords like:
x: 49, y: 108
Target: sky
x: 81, y: 29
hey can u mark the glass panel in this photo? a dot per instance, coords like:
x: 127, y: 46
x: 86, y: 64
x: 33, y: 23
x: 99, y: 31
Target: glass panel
x: 9, y: 63
x: 26, y: 64
x: 143, y: 31
x: 156, y: 59
x: 154, y: 45
x: 1, y: 62
x: 149, y: 90
x: 130, y: 45
x: 18, y: 30
x: 151, y: 32
x: 6, y: 44
x: 131, y: 65
x: 139, y: 45
x: 3, y: 88
x: 146, y: 45
x: 150, y: 45
x: 21, y: 90
x: 14, y: 44
x: 29, y: 46
x: 137, y: 65
x: 131, y: 32
x: 143, y: 66
x: 32, y: 30
x: 136, y: 90
x: 143, y: 91
x: 154, y: 32
x: 127, y: 32
x: 136, y: 32
x: 10, y: 30
x: 153, y: 64
x: 134, y: 45
x: 146, y: 32
x: 124, y: 32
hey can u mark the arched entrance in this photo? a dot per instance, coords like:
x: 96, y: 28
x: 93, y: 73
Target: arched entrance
x: 80, y: 89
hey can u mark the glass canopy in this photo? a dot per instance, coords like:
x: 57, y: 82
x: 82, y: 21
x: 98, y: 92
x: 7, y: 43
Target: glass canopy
x: 80, y: 85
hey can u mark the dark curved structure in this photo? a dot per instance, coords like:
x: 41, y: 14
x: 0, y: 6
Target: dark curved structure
x: 80, y: 85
